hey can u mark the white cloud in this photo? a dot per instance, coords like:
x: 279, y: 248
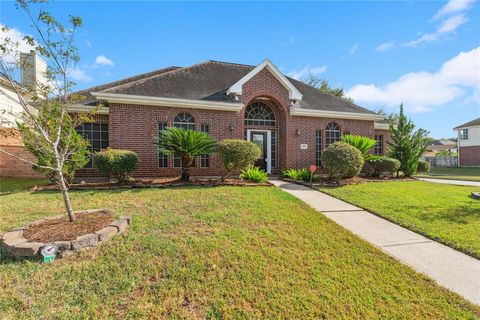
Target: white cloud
x: 449, y: 25
x: 452, y: 23
x: 453, y: 6
x: 79, y: 75
x: 306, y: 71
x: 102, y: 60
x: 353, y: 49
x: 454, y: 17
x: 385, y: 46
x: 16, y: 37
x: 423, y: 91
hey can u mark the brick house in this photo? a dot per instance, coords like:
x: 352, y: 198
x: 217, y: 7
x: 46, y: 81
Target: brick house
x: 291, y: 121
x: 469, y: 143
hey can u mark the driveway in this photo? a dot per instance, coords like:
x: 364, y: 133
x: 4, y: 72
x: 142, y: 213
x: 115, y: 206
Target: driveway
x: 454, y: 182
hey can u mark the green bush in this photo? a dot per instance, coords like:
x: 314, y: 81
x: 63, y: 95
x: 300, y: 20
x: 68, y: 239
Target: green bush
x: 342, y: 161
x: 297, y: 174
x: 376, y: 167
x: 115, y: 162
x: 254, y: 174
x: 423, y: 167
x: 236, y: 154
x: 363, y: 144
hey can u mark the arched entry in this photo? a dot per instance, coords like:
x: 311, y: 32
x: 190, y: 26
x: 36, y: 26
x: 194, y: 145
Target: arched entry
x: 260, y: 124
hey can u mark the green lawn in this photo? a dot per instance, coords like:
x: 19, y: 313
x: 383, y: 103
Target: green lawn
x: 18, y: 184
x: 442, y: 212
x: 454, y: 173
x: 215, y: 253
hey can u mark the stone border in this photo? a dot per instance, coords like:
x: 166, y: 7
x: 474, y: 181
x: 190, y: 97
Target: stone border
x: 475, y: 195
x: 14, y: 244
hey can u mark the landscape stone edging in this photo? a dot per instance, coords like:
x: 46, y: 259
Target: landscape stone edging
x: 13, y: 244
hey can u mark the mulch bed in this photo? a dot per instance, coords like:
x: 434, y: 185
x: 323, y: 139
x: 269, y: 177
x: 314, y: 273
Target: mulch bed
x: 326, y: 182
x: 61, y: 229
x: 155, y: 183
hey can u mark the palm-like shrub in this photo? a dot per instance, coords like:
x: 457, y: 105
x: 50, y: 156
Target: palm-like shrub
x: 342, y: 161
x: 363, y: 144
x: 185, y: 143
x: 254, y: 174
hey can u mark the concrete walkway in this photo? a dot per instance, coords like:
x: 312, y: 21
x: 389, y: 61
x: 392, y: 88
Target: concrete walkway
x: 449, y: 268
x: 454, y: 182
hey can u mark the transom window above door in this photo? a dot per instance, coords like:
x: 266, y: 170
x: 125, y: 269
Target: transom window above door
x: 259, y: 114
x: 184, y: 120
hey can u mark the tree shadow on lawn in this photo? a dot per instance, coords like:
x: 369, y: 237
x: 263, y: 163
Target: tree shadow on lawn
x: 463, y: 214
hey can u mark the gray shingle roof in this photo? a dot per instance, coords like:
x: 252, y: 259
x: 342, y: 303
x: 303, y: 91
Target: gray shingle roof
x: 89, y: 99
x: 210, y: 81
x: 472, y: 123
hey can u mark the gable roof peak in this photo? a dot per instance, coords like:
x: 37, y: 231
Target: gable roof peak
x: 293, y: 92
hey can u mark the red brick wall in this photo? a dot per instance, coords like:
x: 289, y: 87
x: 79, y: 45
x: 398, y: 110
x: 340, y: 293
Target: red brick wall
x: 12, y: 167
x: 470, y: 156
x: 135, y: 128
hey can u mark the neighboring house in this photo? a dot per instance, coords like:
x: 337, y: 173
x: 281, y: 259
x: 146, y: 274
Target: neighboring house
x: 10, y: 111
x: 469, y: 143
x: 292, y: 122
x: 442, y: 152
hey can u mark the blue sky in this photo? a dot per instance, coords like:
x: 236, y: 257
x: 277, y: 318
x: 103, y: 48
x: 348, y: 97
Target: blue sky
x: 426, y: 54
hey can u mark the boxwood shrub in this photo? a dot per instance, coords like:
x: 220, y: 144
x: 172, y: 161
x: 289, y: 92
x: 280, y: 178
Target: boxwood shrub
x: 237, y: 154
x: 377, y: 167
x: 116, y: 163
x: 423, y: 167
x: 342, y: 161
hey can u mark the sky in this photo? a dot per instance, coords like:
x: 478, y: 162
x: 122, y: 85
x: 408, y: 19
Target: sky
x: 425, y: 54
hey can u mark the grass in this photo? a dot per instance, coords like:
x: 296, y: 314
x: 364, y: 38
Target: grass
x: 215, y: 253
x: 19, y: 184
x: 442, y: 212
x: 454, y: 173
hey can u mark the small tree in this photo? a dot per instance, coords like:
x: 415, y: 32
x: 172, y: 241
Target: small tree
x: 324, y: 86
x: 48, y: 131
x: 237, y: 154
x: 407, y: 144
x: 185, y: 143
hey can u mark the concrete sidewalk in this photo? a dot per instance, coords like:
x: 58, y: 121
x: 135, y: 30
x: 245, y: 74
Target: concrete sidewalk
x: 454, y: 182
x: 449, y: 268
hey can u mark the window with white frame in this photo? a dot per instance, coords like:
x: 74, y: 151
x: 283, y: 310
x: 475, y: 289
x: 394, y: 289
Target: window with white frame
x: 464, y: 134
x: 332, y: 133
x: 378, y: 148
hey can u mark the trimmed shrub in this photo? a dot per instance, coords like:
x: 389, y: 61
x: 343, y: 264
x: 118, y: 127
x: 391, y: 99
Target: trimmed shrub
x: 423, y: 167
x: 297, y: 174
x: 116, y: 162
x: 236, y: 154
x: 342, y: 161
x: 376, y: 167
x: 254, y: 174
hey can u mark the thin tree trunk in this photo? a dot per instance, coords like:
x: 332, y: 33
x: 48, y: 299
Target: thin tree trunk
x: 66, y: 197
x: 186, y: 164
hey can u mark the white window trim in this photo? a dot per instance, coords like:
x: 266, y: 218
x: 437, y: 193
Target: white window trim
x: 269, y: 146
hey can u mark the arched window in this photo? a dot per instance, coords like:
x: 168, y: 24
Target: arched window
x: 259, y: 114
x: 185, y: 121
x: 332, y: 133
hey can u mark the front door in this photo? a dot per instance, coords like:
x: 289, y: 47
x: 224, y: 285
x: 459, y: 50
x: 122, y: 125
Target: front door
x: 260, y: 139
